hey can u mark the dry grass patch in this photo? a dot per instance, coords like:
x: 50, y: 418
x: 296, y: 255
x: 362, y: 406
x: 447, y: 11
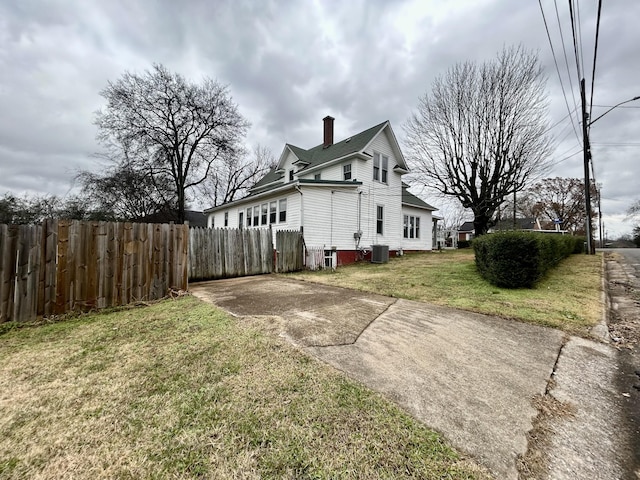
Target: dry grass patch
x: 569, y: 297
x: 181, y: 390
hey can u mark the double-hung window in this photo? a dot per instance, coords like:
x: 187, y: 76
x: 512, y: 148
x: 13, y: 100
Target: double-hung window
x: 256, y: 216
x: 272, y: 211
x: 241, y: 219
x: 283, y: 210
x: 346, y: 171
x: 380, y: 167
x: 249, y: 217
x: 263, y: 217
x: 379, y: 219
x: 226, y: 219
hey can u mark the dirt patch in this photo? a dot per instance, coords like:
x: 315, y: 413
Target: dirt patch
x: 533, y: 465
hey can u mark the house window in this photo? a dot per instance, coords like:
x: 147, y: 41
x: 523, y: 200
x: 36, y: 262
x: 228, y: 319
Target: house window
x: 346, y: 171
x: 411, y: 227
x: 226, y: 219
x: 385, y: 168
x: 256, y: 216
x: 376, y: 166
x: 316, y: 176
x: 272, y: 212
x: 265, y: 211
x: 380, y: 220
x: 291, y: 175
x: 240, y: 219
x: 283, y: 210
x: 249, y: 217
x: 380, y: 167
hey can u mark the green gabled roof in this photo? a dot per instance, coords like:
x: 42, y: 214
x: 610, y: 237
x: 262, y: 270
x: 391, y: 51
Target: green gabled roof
x: 410, y: 199
x: 318, y: 155
x: 271, y: 176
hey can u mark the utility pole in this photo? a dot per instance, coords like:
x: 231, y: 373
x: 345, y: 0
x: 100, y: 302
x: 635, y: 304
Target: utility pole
x: 586, y: 150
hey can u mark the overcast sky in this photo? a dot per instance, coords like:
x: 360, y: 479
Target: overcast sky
x: 289, y: 64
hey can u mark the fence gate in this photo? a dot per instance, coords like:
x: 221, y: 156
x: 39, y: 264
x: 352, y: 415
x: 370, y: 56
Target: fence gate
x: 289, y: 251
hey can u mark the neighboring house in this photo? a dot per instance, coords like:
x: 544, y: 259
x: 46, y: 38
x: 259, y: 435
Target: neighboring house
x: 345, y: 197
x: 466, y: 232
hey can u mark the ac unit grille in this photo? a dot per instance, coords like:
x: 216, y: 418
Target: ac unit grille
x: 379, y: 253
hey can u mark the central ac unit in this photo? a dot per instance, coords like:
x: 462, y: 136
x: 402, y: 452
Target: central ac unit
x: 379, y: 253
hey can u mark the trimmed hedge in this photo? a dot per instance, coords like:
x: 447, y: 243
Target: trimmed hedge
x: 464, y: 244
x: 519, y: 259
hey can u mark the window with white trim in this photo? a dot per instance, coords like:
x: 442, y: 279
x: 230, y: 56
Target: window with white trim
x: 240, y: 219
x: 380, y: 220
x: 282, y: 204
x: 380, y: 167
x: 272, y: 211
x: 265, y: 213
x: 249, y: 217
x: 226, y: 219
x: 317, y: 176
x: 411, y: 227
x: 346, y: 171
x: 256, y: 215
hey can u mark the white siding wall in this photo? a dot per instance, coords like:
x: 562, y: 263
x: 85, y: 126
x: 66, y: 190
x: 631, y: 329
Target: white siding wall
x: 293, y: 213
x: 425, y: 242
x: 375, y: 193
x: 330, y: 217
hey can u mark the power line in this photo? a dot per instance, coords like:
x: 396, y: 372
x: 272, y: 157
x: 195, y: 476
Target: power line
x: 555, y: 61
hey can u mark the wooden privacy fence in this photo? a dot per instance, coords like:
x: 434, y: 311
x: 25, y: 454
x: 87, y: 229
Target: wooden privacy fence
x: 229, y: 252
x: 289, y: 251
x: 63, y: 265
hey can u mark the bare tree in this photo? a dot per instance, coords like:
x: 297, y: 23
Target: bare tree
x: 237, y: 173
x: 124, y: 190
x: 480, y: 134
x: 171, y: 128
x: 554, y: 199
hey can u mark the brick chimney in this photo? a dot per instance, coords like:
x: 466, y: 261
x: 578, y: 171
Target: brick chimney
x: 328, y: 131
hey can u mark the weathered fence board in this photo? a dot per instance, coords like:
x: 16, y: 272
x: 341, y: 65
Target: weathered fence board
x: 228, y: 252
x: 64, y: 265
x: 289, y: 251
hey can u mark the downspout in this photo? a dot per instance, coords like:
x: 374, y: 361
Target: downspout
x: 297, y: 187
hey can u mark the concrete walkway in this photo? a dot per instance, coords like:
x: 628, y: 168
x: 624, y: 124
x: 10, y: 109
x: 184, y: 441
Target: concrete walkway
x: 504, y: 392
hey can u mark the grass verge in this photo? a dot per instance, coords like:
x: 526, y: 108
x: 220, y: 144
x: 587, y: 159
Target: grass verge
x: 181, y: 390
x: 568, y: 298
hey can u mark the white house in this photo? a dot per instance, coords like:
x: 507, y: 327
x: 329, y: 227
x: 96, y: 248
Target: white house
x: 345, y: 197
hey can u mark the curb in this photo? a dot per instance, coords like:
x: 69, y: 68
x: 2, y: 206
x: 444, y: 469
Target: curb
x: 600, y: 332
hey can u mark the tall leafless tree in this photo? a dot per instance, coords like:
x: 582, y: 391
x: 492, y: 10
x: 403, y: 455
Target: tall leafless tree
x: 552, y: 199
x: 172, y: 128
x: 481, y: 134
x: 237, y: 173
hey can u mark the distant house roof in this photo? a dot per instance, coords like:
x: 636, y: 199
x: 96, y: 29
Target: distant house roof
x: 521, y: 224
x: 195, y: 218
x: 409, y: 198
x: 467, y: 227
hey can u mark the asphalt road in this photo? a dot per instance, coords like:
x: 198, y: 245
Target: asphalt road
x: 631, y: 258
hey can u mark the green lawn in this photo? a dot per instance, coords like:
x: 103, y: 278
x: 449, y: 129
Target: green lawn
x: 569, y: 297
x: 181, y: 390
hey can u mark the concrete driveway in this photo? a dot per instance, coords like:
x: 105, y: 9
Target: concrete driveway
x: 496, y: 389
x: 472, y: 377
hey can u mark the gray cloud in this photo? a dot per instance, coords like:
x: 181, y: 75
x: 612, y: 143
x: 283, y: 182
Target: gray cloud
x: 288, y: 64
